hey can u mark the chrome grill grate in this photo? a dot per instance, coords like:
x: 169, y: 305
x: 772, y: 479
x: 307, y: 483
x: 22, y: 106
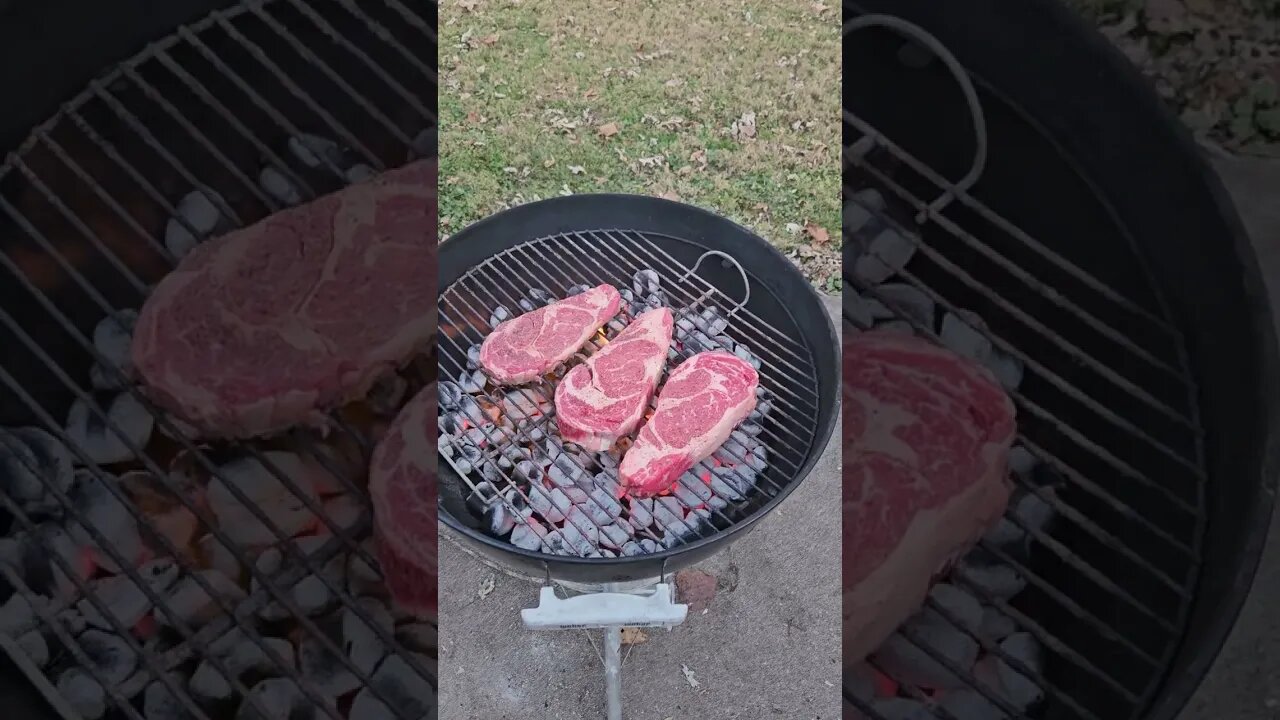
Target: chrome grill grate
x: 698, y: 508
x: 1108, y: 427
x: 90, y: 197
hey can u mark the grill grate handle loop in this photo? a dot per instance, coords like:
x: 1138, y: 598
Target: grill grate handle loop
x: 922, y: 36
x: 746, y: 284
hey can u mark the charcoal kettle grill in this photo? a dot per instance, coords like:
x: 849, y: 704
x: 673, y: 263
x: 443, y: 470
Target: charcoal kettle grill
x: 255, y: 106
x: 698, y: 260
x: 1049, y: 215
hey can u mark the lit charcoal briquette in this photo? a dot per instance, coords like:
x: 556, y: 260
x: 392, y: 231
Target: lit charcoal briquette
x: 617, y: 325
x: 725, y: 342
x: 750, y: 428
x: 406, y: 689
x: 913, y: 302
x: 471, y: 411
x: 995, y: 625
x: 363, y: 645
x: 111, y: 656
x: 275, y: 698
x: 540, y: 296
x: 758, y: 460
x: 606, y: 482
x: 526, y: 305
x: 691, y: 490
x: 564, y: 470
x: 577, y: 289
x: 646, y: 281
x: 481, y: 497
x: 99, y: 439
x: 123, y: 599
x: 325, y: 668
x: 279, y: 186
x: 160, y: 703
x: 683, y: 326
x: 640, y: 512
x: 580, y: 532
x: 85, y: 696
x: 528, y: 534
x: 490, y: 472
x: 540, y: 499
x: 717, y: 503
x: 963, y: 336
x: 472, y: 381
x: 711, y: 321
x: 616, y: 535
x: 113, y: 335
x: 656, y: 299
x: 499, y: 520
x: 1020, y: 689
x: 530, y: 471
x: 627, y: 295
x: 603, y: 507
x: 725, y: 483
x: 743, y: 353
x: 517, y: 504
x: 632, y: 549
x: 200, y: 213
x: 499, y: 315
x: 999, y: 580
x: 450, y: 394
x: 888, y: 252
x: 35, y: 647
x: 553, y: 543
x: 31, y: 461
x: 667, y: 512
x: 673, y: 355
x: 314, y: 151
x: 606, y: 461
x: 473, y: 357
x: 577, y: 495
x: 103, y: 511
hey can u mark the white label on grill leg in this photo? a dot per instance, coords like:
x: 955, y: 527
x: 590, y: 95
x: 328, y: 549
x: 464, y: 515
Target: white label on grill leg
x: 602, y: 610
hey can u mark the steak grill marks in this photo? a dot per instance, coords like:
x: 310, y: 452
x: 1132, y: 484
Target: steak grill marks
x: 698, y: 508
x: 108, y: 146
x: 1109, y: 431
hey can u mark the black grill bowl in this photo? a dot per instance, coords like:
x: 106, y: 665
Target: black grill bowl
x: 780, y: 296
x: 1085, y: 159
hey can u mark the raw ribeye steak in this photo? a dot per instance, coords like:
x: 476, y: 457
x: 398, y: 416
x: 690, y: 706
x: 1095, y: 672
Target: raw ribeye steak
x: 927, y: 436
x: 705, y: 398
x: 268, y: 326
x: 526, y: 347
x: 402, y: 488
x: 605, y: 397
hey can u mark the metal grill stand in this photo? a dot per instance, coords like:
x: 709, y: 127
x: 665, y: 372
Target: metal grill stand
x: 611, y: 611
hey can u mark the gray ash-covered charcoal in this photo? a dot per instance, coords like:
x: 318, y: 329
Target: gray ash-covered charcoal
x: 603, y: 507
x: 160, y: 703
x: 111, y: 656
x: 577, y: 289
x: 711, y: 321
x: 725, y: 483
x: 564, y: 470
x: 31, y: 462
x: 472, y: 381
x: 450, y: 394
x: 276, y: 184
x: 473, y: 357
x: 742, y: 352
x: 405, y: 688
x: 112, y: 337
x: 887, y: 253
x: 530, y: 471
x: 315, y: 151
x: 277, y: 698
x: 198, y: 212
x: 910, y: 301
x: 553, y: 543
x: 646, y: 281
x: 632, y: 549
x: 861, y: 210
x: 325, y: 668
x: 581, y: 534
x: 550, y: 505
x: 480, y: 498
x: 540, y: 296
x: 528, y: 534
x: 526, y: 305
x: 499, y: 520
x: 106, y: 441
x: 640, y: 512
x: 616, y: 535
x: 499, y: 315
x: 84, y: 694
x: 125, y: 602
x: 102, y: 510
x: 1020, y: 689
x: 657, y: 299
x: 691, y: 490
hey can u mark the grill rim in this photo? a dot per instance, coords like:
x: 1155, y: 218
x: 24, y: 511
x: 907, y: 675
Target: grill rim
x: 489, y: 234
x: 1110, y: 75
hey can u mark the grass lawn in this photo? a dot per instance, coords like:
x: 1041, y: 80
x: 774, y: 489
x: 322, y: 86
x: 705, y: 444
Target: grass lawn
x: 730, y: 105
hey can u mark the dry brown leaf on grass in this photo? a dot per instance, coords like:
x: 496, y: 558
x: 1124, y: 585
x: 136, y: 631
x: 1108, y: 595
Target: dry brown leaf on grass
x: 744, y: 128
x: 634, y: 636
x: 490, y: 39
x: 607, y: 130
x: 474, y: 118
x: 818, y: 233
x: 699, y: 157
x: 591, y: 94
x: 669, y: 195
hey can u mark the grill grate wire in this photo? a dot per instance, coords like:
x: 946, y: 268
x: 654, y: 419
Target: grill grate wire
x: 600, y: 256
x: 867, y: 159
x: 157, y: 665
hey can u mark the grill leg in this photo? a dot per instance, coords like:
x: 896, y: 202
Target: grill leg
x: 613, y: 672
